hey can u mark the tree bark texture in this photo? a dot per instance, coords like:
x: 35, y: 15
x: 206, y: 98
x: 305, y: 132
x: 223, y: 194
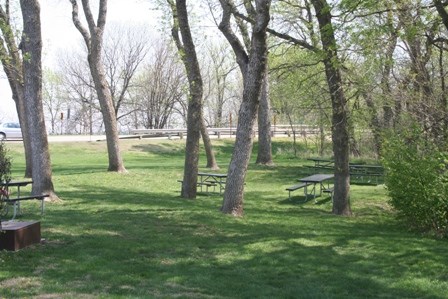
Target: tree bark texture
x: 211, y: 160
x: 419, y: 73
x: 340, y: 134
x: 93, y: 38
x: 374, y: 124
x: 253, y: 68
x: 32, y: 77
x: 194, y: 116
x: 187, y: 51
x: 264, y: 156
x: 440, y: 6
x: 12, y: 66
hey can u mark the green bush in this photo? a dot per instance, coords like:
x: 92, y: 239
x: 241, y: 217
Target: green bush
x: 417, y: 181
x: 5, y: 175
x: 5, y: 164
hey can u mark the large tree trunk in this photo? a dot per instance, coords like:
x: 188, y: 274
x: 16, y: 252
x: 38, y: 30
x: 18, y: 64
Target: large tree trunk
x: 107, y: 109
x: 15, y: 79
x: 12, y: 65
x: 423, y: 105
x: 20, y: 107
x: 264, y: 156
x: 443, y: 96
x: 32, y: 76
x: 253, y: 68
x: 375, y: 125
x: 194, y: 115
x: 94, y: 41
x: 386, y: 89
x: 340, y: 135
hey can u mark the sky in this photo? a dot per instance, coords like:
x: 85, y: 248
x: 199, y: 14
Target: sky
x: 59, y: 34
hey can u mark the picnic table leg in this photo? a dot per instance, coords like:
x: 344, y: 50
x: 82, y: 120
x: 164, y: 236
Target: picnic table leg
x: 17, y: 202
x: 14, y: 213
x: 313, y: 191
x: 16, y: 205
x: 201, y: 181
x: 221, y: 185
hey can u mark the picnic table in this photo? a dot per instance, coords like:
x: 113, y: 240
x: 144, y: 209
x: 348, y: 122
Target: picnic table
x: 322, y: 163
x: 318, y: 180
x: 363, y: 173
x: 15, y: 201
x: 367, y: 173
x: 216, y: 179
x: 313, y: 181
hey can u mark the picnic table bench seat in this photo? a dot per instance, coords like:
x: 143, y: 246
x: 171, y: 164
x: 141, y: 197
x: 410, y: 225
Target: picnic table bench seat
x: 21, y: 198
x: 207, y: 184
x: 329, y: 190
x: 38, y: 197
x: 296, y: 187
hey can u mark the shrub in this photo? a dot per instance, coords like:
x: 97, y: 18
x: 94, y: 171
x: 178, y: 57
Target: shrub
x: 5, y: 173
x: 5, y: 164
x: 417, y: 181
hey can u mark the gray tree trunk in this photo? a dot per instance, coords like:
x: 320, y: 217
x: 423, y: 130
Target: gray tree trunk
x: 253, y: 67
x: 340, y: 134
x: 20, y: 107
x: 187, y: 51
x: 93, y: 38
x: 374, y: 124
x: 12, y: 65
x: 32, y: 77
x: 264, y: 156
x: 211, y: 160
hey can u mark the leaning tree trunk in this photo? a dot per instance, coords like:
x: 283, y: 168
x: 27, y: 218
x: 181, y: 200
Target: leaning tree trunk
x: 211, y: 160
x: 253, y: 67
x: 20, y: 107
x: 187, y: 50
x: 375, y: 124
x: 16, y: 83
x: 12, y: 65
x: 32, y: 77
x: 107, y: 110
x: 93, y: 38
x: 234, y: 192
x: 264, y: 156
x: 340, y: 134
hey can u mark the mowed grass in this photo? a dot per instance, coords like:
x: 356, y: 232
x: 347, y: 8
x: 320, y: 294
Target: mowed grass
x: 132, y: 236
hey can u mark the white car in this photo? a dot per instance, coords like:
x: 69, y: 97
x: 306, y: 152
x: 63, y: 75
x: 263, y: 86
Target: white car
x: 10, y: 131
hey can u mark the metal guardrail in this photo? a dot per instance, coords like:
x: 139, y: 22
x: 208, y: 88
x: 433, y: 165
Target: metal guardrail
x: 275, y: 130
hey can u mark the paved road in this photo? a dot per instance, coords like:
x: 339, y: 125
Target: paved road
x: 94, y: 138
x: 68, y: 138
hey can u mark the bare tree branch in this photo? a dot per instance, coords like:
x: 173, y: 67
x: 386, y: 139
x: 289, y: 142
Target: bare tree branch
x: 75, y: 16
x: 241, y: 56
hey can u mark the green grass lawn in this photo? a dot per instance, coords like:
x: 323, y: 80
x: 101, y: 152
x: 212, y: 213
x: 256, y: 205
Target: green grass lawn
x: 132, y: 236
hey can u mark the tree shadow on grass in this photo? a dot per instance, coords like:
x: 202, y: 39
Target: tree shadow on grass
x: 155, y: 244
x: 296, y: 200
